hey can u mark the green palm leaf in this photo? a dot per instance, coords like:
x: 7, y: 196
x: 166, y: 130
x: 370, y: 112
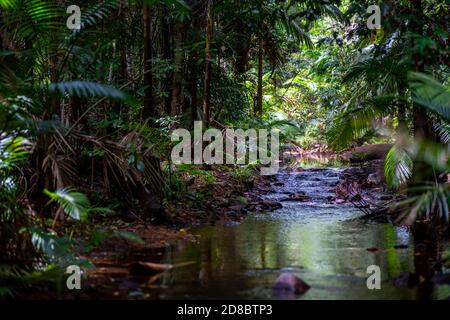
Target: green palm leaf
x: 98, y: 12
x: 353, y: 123
x: 31, y: 19
x: 86, y: 89
x: 12, y: 151
x: 430, y: 94
x: 75, y: 204
x: 397, y: 166
x: 431, y: 201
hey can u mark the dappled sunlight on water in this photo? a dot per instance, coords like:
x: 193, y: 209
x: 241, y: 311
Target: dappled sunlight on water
x: 321, y: 242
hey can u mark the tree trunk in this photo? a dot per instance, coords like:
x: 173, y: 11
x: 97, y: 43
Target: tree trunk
x: 242, y: 48
x: 423, y: 124
x: 193, y: 86
x: 207, y: 84
x: 401, y: 113
x: 176, y: 106
x: 148, y: 110
x: 259, y: 94
x: 167, y: 56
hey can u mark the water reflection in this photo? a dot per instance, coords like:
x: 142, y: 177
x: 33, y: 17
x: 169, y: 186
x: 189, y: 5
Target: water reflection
x: 314, y: 160
x: 323, y: 243
x: 243, y: 261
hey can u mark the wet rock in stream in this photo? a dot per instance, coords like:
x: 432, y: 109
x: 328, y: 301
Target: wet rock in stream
x: 289, y: 284
x: 298, y: 196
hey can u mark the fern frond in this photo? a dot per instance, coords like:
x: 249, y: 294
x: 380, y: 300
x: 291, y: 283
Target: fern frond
x: 75, y: 204
x: 397, y: 166
x: 354, y: 123
x: 431, y: 201
x: 86, y: 89
x: 430, y: 94
x: 31, y: 19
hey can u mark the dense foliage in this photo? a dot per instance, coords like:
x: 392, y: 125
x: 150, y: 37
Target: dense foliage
x: 86, y: 115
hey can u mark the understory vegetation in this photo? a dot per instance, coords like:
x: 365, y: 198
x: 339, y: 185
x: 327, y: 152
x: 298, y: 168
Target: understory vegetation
x: 86, y: 115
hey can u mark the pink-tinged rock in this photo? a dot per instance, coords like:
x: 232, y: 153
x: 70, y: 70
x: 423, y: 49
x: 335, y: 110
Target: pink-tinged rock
x: 290, y: 283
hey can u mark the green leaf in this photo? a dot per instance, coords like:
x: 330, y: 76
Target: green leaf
x: 75, y: 204
x: 8, y: 4
x: 86, y: 89
x: 430, y: 94
x: 130, y: 236
x: 397, y: 166
x: 31, y: 19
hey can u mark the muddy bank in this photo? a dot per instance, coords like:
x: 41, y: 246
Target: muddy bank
x: 223, y: 197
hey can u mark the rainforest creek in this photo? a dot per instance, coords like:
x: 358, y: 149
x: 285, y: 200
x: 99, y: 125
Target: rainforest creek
x: 206, y: 149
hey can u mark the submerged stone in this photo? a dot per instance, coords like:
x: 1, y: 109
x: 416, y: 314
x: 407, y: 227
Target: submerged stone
x: 288, y: 283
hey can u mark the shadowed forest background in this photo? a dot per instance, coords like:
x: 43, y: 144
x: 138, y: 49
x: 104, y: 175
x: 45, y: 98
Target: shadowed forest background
x: 86, y: 118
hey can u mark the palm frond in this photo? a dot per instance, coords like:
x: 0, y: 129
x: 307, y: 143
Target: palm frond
x: 443, y: 130
x: 431, y: 201
x: 75, y: 204
x: 397, y: 166
x: 12, y: 151
x: 31, y: 19
x: 430, y: 94
x: 86, y: 89
x: 98, y: 12
x: 353, y: 123
x: 8, y: 4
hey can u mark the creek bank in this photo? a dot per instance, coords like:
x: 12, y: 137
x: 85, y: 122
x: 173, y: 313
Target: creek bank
x: 222, y: 198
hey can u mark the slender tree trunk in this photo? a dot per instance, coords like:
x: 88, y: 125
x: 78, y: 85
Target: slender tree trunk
x: 123, y: 44
x: 193, y: 86
x: 148, y: 56
x: 123, y: 71
x: 167, y: 56
x: 259, y: 93
x: 208, y: 73
x: 423, y: 124
x: 242, y: 48
x: 401, y: 114
x: 176, y: 106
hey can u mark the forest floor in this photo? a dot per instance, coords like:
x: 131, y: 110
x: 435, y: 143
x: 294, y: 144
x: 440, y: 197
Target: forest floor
x: 225, y: 200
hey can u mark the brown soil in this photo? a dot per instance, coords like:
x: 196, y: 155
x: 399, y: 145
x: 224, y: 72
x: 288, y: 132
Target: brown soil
x: 227, y: 198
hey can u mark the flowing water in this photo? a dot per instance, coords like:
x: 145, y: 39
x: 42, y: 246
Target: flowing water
x: 321, y: 242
